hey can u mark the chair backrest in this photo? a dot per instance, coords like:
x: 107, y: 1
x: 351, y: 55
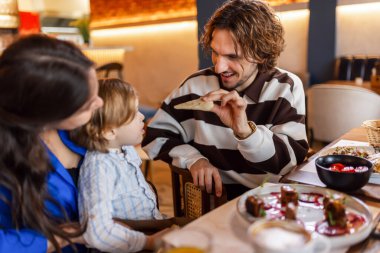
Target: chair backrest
x: 109, y: 67
x: 334, y: 109
x: 371, y: 62
x: 358, y: 67
x: 343, y: 68
x: 189, y: 200
x: 350, y: 67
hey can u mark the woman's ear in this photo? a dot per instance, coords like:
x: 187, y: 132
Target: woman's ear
x: 109, y: 134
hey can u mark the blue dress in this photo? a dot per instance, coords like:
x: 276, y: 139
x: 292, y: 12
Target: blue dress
x: 62, y: 188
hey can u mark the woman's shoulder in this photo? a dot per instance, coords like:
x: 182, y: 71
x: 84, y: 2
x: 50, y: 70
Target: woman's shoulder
x: 65, y: 138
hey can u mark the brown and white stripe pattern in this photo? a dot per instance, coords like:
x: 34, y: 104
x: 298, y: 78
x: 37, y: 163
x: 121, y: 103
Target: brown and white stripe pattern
x: 276, y: 103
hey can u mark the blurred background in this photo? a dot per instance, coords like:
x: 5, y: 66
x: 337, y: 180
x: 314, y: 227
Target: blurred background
x: 156, y: 41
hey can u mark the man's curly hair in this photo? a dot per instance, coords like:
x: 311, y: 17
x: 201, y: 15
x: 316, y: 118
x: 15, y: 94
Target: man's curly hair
x: 255, y: 28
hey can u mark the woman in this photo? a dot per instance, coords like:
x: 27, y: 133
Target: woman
x: 45, y: 84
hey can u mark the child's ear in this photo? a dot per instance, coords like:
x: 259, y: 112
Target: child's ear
x: 109, y: 134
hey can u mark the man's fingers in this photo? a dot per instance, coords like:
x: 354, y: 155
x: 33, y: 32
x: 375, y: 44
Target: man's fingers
x: 215, y: 95
x: 194, y: 174
x: 201, y: 179
x: 204, y: 174
x: 232, y: 96
x: 208, y: 181
x: 218, y: 183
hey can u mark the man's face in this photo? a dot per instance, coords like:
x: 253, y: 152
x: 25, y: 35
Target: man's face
x: 235, y: 71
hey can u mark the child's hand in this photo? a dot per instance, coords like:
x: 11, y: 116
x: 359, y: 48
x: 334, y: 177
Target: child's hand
x: 153, y: 240
x: 80, y: 240
x: 69, y: 228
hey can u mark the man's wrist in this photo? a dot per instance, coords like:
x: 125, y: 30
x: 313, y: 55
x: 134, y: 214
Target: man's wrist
x: 252, y: 126
x: 196, y: 160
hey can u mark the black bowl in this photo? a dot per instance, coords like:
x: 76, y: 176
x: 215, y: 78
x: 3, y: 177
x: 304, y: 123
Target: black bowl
x: 343, y: 181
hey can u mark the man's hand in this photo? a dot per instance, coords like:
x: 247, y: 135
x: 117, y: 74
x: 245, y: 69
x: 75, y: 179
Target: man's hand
x: 231, y: 111
x: 204, y: 173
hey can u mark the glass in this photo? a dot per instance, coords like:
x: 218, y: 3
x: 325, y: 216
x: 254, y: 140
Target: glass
x: 187, y: 241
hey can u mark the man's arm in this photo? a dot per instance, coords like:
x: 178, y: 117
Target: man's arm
x: 283, y: 139
x: 171, y: 132
x: 167, y: 144
x: 275, y: 146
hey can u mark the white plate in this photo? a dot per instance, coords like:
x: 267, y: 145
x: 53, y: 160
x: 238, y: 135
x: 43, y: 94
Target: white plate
x: 310, y: 215
x: 348, y: 150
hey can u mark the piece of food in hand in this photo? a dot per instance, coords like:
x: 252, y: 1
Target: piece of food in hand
x: 196, y: 104
x: 335, y: 212
x: 288, y: 195
x: 291, y: 211
x: 255, y: 206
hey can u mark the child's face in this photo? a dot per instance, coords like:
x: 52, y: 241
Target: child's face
x: 131, y: 133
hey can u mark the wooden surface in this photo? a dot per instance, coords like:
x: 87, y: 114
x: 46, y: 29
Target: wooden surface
x: 366, y: 85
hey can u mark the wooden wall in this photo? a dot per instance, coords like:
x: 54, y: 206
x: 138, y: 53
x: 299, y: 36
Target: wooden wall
x: 105, y: 13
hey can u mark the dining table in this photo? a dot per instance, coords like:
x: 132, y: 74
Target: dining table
x: 228, y: 231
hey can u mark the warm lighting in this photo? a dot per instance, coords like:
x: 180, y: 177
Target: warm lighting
x: 137, y: 30
x: 291, y: 15
x: 139, y: 19
x: 104, y: 55
x: 8, y: 14
x: 357, y: 27
x: 138, y: 13
x: 283, y: 2
x: 359, y: 8
x: 8, y: 21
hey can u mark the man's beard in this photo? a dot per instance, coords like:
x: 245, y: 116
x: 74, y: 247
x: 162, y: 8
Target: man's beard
x: 238, y: 84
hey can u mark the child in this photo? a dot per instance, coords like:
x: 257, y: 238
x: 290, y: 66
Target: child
x: 111, y: 184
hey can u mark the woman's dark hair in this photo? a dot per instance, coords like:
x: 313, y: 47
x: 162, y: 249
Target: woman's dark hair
x: 255, y: 28
x: 42, y: 80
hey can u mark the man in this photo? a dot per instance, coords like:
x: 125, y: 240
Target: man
x: 256, y: 128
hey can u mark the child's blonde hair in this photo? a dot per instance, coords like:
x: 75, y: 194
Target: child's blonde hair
x: 120, y: 107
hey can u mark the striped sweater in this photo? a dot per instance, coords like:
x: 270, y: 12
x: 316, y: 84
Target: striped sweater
x: 276, y: 103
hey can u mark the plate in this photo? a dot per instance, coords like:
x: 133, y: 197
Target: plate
x: 361, y: 151
x: 312, y: 214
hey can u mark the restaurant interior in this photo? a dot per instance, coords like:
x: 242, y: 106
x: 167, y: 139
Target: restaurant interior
x: 332, y: 45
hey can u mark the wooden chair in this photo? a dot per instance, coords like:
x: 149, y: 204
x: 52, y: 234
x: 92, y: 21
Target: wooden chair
x: 109, y: 67
x: 358, y: 67
x: 370, y: 64
x: 343, y: 68
x: 189, y: 200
